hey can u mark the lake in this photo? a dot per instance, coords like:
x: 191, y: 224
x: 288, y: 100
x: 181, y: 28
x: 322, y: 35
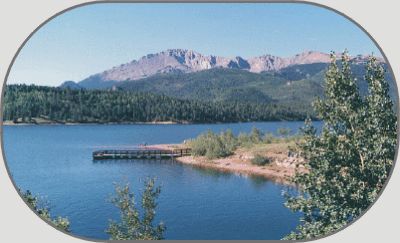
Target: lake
x: 55, y: 162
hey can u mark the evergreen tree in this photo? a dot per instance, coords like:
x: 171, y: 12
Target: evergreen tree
x: 349, y: 162
x: 25, y: 103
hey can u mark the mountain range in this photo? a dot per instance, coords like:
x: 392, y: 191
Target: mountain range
x: 292, y: 82
x: 178, y: 61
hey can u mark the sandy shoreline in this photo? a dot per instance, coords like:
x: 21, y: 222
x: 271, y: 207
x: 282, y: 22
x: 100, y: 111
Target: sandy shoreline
x: 280, y: 170
x: 268, y: 172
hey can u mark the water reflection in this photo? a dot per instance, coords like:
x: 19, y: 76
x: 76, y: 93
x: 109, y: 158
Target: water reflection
x: 212, y: 172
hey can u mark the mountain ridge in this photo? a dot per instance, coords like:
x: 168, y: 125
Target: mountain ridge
x: 189, y: 61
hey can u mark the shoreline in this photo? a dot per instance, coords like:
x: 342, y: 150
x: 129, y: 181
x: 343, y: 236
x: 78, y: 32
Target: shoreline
x: 280, y: 170
x: 11, y: 123
x: 53, y: 123
x: 266, y: 172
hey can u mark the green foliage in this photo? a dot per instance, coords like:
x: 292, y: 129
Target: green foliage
x: 44, y: 212
x: 229, y: 140
x: 212, y: 145
x: 350, y: 160
x: 221, y: 84
x: 132, y: 226
x: 256, y: 135
x: 23, y: 103
x: 260, y: 160
x: 244, y: 140
x: 224, y: 144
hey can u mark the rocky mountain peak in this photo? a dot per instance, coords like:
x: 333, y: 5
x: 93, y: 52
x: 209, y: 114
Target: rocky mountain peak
x: 186, y: 61
x: 308, y: 57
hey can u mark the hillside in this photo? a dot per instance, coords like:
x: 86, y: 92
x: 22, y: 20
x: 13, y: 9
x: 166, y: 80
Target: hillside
x: 227, y: 85
x: 29, y: 103
x: 297, y: 84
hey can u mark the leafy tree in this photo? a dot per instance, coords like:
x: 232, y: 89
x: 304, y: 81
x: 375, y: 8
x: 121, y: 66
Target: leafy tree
x: 349, y: 162
x: 132, y: 226
x: 44, y: 212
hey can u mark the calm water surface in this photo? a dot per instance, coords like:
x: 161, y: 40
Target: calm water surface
x: 55, y: 162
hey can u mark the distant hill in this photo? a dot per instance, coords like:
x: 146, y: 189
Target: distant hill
x: 70, y: 84
x: 227, y: 85
x: 294, y: 84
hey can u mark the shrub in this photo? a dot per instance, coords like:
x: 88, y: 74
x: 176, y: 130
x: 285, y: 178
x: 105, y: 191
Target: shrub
x: 244, y: 140
x: 199, y: 145
x: 213, y: 146
x: 256, y: 135
x: 224, y: 144
x: 229, y: 140
x: 260, y: 160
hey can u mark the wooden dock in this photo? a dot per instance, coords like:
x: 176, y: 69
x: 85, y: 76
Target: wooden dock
x: 141, y: 153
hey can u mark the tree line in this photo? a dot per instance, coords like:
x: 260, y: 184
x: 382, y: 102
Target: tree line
x: 23, y: 102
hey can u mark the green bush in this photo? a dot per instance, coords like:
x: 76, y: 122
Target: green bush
x: 224, y: 144
x: 256, y: 135
x: 229, y: 140
x: 260, y: 160
x: 212, y: 145
x: 244, y: 140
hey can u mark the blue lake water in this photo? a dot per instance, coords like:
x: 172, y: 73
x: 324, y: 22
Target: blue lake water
x: 55, y: 162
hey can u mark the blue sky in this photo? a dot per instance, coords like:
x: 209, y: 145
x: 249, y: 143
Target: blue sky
x: 96, y: 37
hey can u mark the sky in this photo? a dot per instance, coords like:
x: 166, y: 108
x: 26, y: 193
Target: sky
x: 93, y: 38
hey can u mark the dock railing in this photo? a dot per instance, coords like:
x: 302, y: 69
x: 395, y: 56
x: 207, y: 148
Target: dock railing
x: 141, y: 153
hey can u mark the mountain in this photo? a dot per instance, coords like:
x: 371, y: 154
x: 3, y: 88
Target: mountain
x: 177, y: 61
x: 300, y: 83
x: 221, y: 84
x: 187, y: 74
x: 70, y: 85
